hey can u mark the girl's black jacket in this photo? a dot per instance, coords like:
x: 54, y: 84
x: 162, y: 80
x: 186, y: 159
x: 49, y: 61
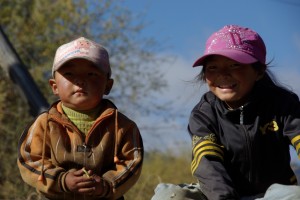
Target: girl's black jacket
x: 242, y: 152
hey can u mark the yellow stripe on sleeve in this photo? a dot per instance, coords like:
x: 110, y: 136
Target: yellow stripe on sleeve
x: 293, y: 180
x: 206, y: 145
x: 205, y: 148
x: 295, y: 139
x: 196, y: 162
x: 297, y: 149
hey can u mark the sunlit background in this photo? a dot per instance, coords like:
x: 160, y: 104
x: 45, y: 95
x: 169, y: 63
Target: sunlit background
x: 180, y: 30
x: 182, y: 27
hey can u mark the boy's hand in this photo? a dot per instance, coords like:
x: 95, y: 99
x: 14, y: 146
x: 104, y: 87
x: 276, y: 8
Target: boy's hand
x: 80, y: 182
x: 100, y: 185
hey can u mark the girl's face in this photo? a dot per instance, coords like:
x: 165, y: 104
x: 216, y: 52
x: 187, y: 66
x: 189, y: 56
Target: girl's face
x: 80, y: 85
x: 229, y: 80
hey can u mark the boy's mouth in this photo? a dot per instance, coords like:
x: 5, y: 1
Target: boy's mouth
x: 80, y: 91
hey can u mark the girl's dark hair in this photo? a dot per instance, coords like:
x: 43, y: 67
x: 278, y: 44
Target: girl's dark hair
x: 269, y: 80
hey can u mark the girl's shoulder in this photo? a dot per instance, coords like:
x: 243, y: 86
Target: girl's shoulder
x: 208, y: 97
x: 281, y: 94
x: 207, y: 102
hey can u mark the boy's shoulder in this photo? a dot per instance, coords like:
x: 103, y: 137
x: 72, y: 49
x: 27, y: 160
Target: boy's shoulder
x: 109, y: 105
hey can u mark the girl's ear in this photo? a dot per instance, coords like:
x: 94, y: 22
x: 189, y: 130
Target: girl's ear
x: 261, y: 72
x: 53, y: 86
x: 109, y: 85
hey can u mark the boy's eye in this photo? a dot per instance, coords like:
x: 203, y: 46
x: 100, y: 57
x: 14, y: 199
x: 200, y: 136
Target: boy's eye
x: 67, y: 73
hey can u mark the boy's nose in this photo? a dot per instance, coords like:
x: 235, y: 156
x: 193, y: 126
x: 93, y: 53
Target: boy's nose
x: 80, y: 81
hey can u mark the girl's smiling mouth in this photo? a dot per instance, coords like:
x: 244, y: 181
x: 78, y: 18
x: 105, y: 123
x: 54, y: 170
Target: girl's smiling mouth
x: 231, y: 86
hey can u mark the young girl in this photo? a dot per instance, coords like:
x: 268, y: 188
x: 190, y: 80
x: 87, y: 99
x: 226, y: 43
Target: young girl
x: 242, y: 128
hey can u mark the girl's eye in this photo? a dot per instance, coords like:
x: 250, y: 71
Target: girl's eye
x: 92, y: 74
x: 211, y: 67
x: 235, y: 66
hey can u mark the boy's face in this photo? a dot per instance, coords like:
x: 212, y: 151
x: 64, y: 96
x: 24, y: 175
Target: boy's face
x: 229, y: 80
x: 80, y: 85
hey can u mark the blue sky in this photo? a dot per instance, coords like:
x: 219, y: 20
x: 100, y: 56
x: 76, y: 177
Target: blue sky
x: 183, y: 27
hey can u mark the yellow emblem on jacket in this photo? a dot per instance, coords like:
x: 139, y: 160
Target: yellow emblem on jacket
x: 271, y: 126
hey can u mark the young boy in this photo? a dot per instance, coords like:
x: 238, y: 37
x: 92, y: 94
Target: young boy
x: 82, y: 147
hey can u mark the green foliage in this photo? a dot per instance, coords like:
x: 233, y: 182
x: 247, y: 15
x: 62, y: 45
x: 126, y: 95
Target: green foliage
x: 13, y: 118
x: 36, y: 28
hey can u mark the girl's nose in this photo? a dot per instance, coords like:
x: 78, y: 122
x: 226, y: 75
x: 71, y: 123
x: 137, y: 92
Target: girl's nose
x: 223, y: 72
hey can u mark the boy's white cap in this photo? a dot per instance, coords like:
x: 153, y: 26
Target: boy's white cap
x: 82, y: 48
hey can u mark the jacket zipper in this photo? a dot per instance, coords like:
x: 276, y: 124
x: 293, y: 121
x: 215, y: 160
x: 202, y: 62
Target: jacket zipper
x: 95, y: 125
x: 247, y: 142
x: 74, y: 128
x: 83, y: 136
x: 241, y: 115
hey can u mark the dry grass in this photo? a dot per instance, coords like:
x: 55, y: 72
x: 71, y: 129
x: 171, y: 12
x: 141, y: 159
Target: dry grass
x: 161, y: 167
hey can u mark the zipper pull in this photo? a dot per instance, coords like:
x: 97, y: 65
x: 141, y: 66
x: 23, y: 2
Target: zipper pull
x: 83, y: 148
x: 242, y: 115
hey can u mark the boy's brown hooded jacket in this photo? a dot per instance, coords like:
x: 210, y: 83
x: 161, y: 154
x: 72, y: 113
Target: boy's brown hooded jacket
x: 52, y: 146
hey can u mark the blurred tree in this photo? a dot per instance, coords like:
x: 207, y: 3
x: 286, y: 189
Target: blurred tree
x: 36, y: 28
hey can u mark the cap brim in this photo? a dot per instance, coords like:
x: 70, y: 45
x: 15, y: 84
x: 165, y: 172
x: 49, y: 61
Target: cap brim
x: 59, y: 65
x: 74, y: 58
x: 237, y: 56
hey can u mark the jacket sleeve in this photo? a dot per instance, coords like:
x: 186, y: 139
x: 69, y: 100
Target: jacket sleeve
x: 128, y: 161
x: 208, y: 155
x: 34, y: 160
x: 291, y: 129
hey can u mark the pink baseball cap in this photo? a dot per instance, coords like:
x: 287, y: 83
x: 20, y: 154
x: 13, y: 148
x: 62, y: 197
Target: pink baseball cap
x: 85, y: 49
x: 237, y: 43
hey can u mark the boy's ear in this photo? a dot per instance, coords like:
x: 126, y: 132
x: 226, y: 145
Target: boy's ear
x: 109, y: 85
x: 53, y: 85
